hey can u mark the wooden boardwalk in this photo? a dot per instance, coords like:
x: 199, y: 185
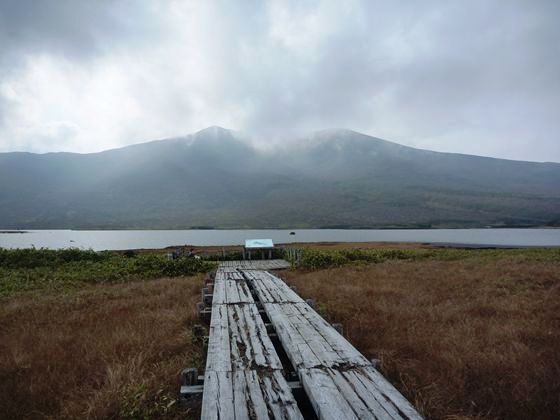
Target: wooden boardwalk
x: 256, y: 318
x: 255, y: 264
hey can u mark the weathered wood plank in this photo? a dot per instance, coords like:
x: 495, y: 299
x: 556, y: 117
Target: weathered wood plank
x: 389, y: 392
x: 217, y: 398
x: 219, y: 288
x: 218, y: 358
x: 365, y: 406
x: 248, y: 399
x: 296, y: 346
x: 243, y: 378
x: 358, y: 392
x: 232, y: 293
x: 324, y: 395
x: 244, y: 374
x: 309, y: 342
x: 256, y: 264
x: 230, y: 287
x: 220, y: 275
x: 270, y: 288
x: 339, y: 344
x: 243, y: 369
x: 250, y: 345
x: 248, y: 395
x: 238, y: 340
x: 263, y: 395
x: 279, y: 394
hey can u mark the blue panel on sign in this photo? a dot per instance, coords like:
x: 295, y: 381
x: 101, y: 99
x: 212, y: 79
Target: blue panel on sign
x: 259, y: 243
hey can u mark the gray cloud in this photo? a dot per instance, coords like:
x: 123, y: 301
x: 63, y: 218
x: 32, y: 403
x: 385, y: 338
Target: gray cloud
x: 57, y: 27
x: 475, y: 77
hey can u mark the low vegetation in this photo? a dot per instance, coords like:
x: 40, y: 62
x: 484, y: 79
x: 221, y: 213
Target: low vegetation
x: 42, y: 269
x: 104, y: 351
x: 314, y: 258
x: 462, y: 333
x: 81, y: 336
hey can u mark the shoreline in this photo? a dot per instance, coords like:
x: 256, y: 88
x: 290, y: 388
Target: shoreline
x: 343, y: 245
x: 218, y: 229
x: 323, y: 245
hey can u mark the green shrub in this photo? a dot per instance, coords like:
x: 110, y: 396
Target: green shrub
x: 31, y: 257
x: 32, y: 269
x: 227, y: 256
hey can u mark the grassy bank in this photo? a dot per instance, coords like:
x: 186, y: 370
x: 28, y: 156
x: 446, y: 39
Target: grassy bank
x: 42, y: 269
x: 105, y: 351
x: 88, y: 334
x: 318, y: 257
x: 462, y: 333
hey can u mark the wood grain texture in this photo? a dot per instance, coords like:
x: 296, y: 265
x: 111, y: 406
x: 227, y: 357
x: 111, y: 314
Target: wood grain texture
x: 256, y: 264
x: 243, y: 377
x: 231, y: 291
x: 355, y: 393
x: 271, y: 289
x: 338, y: 380
x: 308, y: 339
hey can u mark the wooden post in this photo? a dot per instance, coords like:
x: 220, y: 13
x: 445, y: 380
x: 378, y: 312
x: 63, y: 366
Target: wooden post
x: 200, y: 308
x: 189, y: 376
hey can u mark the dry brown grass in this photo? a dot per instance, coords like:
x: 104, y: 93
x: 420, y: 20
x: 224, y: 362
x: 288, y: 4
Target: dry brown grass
x: 362, y: 245
x: 462, y: 339
x: 102, y: 352
x: 471, y: 338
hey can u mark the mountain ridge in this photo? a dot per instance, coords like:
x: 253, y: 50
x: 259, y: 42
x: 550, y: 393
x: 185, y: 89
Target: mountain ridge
x: 328, y: 131
x: 216, y: 177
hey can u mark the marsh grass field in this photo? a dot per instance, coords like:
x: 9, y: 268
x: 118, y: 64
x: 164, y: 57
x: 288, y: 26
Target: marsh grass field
x: 95, y: 335
x: 464, y: 334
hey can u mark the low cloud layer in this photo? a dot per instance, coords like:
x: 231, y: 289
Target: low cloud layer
x: 474, y: 77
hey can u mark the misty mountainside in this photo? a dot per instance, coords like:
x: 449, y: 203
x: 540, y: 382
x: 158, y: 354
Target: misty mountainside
x: 333, y: 178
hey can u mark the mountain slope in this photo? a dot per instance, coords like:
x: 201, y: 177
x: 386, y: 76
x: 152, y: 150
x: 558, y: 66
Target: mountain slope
x: 215, y: 178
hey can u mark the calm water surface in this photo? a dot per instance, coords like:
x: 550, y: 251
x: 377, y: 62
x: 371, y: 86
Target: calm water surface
x: 133, y: 239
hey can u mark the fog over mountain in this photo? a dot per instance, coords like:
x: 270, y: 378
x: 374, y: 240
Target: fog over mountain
x: 216, y: 178
x: 477, y: 77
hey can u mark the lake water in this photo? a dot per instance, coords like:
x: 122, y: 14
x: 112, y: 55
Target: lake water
x: 134, y: 239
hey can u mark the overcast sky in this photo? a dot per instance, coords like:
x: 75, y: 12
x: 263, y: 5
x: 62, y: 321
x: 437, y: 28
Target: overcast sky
x: 476, y: 76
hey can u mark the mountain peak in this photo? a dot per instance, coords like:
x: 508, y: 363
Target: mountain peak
x: 335, y: 132
x: 215, y: 130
